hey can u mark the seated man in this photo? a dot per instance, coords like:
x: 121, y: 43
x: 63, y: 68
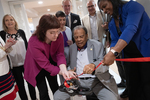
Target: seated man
x: 85, y: 55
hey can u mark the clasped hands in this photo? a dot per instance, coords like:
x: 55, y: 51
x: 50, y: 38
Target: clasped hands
x: 8, y: 44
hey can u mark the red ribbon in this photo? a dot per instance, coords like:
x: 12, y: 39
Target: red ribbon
x: 66, y: 85
x: 65, y: 82
x: 142, y: 59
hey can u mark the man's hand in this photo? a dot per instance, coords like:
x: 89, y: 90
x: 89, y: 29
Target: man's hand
x: 88, y: 69
x: 105, y: 25
x: 69, y: 42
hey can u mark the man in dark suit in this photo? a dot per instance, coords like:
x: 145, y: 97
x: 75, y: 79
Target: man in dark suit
x: 72, y: 20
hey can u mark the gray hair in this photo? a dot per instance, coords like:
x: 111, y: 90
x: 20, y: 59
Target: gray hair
x: 64, y: 1
x: 80, y: 27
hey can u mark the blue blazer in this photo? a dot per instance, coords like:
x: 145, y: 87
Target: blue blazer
x: 135, y: 26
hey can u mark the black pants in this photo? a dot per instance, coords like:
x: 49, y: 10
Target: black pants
x: 137, y: 74
x: 121, y: 69
x: 42, y: 86
x: 18, y: 75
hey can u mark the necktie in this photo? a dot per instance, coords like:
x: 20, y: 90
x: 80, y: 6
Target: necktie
x: 67, y: 21
x: 65, y: 39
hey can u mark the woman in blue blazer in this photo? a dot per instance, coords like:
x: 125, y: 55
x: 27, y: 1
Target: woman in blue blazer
x: 129, y: 28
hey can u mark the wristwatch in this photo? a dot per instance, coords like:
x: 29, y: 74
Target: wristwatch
x: 116, y: 54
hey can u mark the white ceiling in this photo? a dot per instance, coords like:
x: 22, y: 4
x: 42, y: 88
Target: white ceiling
x: 34, y: 9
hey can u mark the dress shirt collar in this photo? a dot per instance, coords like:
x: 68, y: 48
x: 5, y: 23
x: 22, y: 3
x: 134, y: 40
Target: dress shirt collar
x: 82, y: 49
x: 68, y: 14
x: 93, y: 16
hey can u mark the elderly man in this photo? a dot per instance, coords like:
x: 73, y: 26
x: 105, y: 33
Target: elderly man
x: 93, y: 22
x: 72, y: 20
x: 85, y: 55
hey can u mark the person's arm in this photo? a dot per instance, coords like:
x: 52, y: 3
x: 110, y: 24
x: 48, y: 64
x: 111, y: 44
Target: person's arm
x: 135, y: 11
x: 37, y: 53
x: 109, y: 58
x: 7, y: 47
x: 99, y: 52
x: 105, y: 26
x: 2, y: 52
x: 61, y: 61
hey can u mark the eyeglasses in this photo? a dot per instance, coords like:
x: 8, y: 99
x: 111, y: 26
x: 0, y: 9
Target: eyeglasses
x: 67, y: 6
x: 90, y: 6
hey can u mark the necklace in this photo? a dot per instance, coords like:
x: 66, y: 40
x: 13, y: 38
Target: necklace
x: 15, y: 36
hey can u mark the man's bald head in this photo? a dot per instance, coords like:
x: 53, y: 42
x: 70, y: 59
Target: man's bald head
x: 91, y: 6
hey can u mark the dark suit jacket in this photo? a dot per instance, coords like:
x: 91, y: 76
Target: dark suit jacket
x: 75, y: 20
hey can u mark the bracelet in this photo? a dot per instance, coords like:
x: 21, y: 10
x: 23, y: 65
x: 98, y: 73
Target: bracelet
x: 3, y: 48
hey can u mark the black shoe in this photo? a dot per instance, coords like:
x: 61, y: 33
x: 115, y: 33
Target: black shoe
x: 121, y: 85
x: 124, y: 94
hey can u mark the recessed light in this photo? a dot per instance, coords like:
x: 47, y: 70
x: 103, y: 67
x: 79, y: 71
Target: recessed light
x: 40, y: 2
x: 48, y: 9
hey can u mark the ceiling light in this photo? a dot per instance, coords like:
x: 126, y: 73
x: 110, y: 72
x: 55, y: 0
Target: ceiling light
x: 40, y: 2
x: 48, y: 9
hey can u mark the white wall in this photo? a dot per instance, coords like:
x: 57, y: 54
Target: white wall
x: 35, y: 21
x: 1, y: 15
x: 4, y: 9
x: 84, y: 7
x: 146, y: 4
x: 18, y: 10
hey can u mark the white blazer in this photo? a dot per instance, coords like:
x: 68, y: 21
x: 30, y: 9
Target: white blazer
x: 86, y: 22
x: 4, y: 64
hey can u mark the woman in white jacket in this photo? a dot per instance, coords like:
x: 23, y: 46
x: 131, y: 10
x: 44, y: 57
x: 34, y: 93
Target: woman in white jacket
x: 8, y: 87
